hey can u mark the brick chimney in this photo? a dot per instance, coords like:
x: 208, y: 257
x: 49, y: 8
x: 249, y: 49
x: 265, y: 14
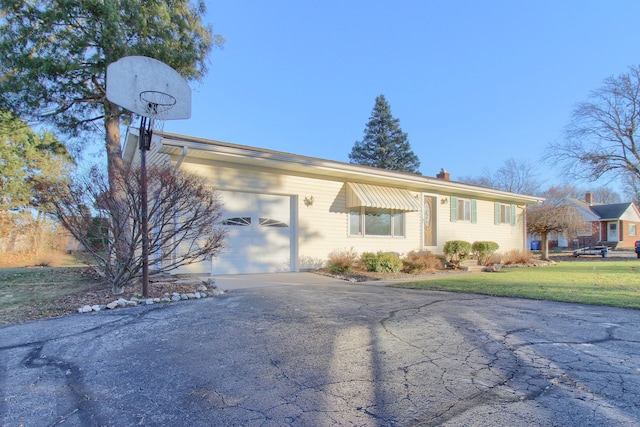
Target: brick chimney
x: 588, y: 197
x: 443, y: 175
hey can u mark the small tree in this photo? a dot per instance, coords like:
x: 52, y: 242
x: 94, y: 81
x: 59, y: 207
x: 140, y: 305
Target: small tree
x: 547, y: 218
x: 183, y: 221
x: 384, y: 145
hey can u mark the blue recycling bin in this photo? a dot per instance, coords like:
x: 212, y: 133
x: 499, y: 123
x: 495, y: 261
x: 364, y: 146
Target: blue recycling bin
x: 535, y: 245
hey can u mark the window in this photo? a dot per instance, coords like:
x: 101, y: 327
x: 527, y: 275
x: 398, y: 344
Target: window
x: 505, y: 214
x: 244, y: 221
x: 268, y: 222
x: 585, y: 229
x: 632, y: 229
x: 463, y: 210
x: 376, y: 222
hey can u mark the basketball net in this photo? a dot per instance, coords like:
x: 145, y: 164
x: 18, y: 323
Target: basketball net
x: 157, y: 105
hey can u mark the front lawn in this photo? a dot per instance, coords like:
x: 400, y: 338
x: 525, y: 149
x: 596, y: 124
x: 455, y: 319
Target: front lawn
x: 601, y: 282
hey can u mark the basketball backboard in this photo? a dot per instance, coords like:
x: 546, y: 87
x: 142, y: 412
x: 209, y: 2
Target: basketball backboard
x: 149, y: 88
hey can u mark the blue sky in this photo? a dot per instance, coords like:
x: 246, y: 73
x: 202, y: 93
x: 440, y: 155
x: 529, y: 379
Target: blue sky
x: 473, y: 83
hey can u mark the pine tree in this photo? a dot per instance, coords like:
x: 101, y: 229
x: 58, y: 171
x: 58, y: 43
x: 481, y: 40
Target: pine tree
x: 384, y: 145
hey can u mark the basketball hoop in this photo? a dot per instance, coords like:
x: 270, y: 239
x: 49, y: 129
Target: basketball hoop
x: 157, y: 106
x: 156, y: 92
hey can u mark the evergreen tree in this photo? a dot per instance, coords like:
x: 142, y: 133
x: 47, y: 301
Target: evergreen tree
x: 55, y: 56
x: 26, y: 160
x: 384, y: 145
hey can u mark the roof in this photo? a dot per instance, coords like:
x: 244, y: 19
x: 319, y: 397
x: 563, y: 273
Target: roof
x: 602, y: 212
x: 614, y: 211
x: 182, y: 147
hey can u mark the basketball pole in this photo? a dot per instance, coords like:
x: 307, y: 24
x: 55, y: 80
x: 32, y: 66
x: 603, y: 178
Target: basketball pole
x: 146, y: 132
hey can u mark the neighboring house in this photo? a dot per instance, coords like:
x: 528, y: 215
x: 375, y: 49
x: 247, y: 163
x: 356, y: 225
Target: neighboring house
x: 286, y: 212
x: 617, y: 225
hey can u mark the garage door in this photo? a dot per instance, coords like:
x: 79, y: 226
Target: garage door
x: 258, y: 234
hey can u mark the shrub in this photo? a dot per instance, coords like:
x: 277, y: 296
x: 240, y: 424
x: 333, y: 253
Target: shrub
x: 516, y: 256
x: 341, y: 261
x: 483, y: 250
x: 368, y: 261
x: 382, y: 262
x: 421, y: 262
x: 494, y: 258
x: 456, y: 251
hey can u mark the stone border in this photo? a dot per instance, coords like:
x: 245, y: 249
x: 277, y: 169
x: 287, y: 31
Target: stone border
x: 201, y: 292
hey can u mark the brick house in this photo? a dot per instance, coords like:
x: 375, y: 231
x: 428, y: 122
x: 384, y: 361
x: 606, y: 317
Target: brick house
x: 617, y: 225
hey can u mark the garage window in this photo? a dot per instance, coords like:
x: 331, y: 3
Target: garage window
x: 268, y: 222
x: 376, y: 222
x: 243, y: 221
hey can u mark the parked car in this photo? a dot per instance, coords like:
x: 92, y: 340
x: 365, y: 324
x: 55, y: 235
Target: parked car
x: 637, y: 248
x: 594, y: 250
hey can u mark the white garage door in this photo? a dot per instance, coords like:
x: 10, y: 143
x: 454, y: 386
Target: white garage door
x: 258, y: 234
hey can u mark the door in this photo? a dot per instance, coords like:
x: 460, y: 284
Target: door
x: 429, y: 209
x: 612, y: 232
x: 258, y: 234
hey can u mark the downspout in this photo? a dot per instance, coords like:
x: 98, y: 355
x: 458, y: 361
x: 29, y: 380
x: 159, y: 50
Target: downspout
x: 185, y: 150
x: 524, y: 229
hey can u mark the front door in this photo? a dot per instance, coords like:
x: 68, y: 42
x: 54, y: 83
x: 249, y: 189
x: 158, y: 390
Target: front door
x: 429, y: 217
x: 612, y: 232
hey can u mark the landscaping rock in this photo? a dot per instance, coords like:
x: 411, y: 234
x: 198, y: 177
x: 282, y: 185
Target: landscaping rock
x: 203, y: 290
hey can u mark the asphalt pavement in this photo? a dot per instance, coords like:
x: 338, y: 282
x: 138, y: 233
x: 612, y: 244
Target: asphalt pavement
x: 313, y: 351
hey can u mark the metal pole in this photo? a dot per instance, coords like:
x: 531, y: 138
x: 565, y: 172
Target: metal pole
x: 145, y: 132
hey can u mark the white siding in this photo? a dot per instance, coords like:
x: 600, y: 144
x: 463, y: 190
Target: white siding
x: 508, y: 237
x: 323, y: 225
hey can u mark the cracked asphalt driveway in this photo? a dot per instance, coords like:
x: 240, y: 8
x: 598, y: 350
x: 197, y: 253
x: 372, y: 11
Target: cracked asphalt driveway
x: 324, y: 355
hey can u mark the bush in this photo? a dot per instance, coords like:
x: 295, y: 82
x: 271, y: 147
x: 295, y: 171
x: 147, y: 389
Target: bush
x: 368, y: 261
x: 482, y: 250
x: 421, y: 262
x: 341, y: 261
x: 456, y: 251
x: 382, y: 262
x: 516, y: 256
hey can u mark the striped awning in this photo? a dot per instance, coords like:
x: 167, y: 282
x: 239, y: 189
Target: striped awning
x: 374, y: 196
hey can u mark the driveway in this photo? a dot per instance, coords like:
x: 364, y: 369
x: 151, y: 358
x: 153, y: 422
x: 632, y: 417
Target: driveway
x: 326, y: 354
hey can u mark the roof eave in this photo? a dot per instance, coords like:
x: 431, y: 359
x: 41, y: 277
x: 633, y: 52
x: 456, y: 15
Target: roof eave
x: 173, y: 144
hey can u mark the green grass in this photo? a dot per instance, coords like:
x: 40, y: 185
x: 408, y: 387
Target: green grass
x: 28, y: 292
x: 613, y: 283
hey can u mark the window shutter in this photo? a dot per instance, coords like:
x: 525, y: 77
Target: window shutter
x: 497, y: 214
x: 474, y: 211
x: 513, y: 214
x: 454, y: 209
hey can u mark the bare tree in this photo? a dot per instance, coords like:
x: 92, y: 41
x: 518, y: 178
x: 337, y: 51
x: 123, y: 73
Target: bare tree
x: 516, y: 176
x: 183, y: 209
x: 631, y: 188
x: 548, y: 218
x: 556, y: 193
x: 605, y: 195
x: 600, y: 139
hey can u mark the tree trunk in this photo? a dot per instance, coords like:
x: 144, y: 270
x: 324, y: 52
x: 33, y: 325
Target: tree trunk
x: 544, y: 245
x: 115, y: 168
x: 112, y: 142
